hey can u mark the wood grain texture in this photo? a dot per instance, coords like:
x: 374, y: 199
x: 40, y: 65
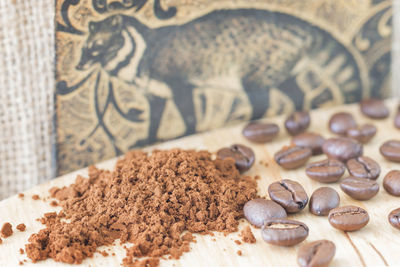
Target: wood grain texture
x: 375, y: 245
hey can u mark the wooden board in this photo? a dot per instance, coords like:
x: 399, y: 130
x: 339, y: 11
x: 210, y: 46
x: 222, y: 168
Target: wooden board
x: 378, y: 244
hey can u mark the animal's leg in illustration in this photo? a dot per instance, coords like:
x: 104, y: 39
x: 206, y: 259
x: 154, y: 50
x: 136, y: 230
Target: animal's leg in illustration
x: 183, y: 98
x: 157, y: 106
x: 258, y: 97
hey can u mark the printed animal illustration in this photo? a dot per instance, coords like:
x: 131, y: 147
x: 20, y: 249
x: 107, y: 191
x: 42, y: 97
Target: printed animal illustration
x: 262, y: 49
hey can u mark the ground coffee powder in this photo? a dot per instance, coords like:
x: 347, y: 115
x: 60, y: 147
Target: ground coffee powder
x: 154, y: 201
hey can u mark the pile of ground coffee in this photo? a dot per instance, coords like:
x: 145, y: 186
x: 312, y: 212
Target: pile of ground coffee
x: 154, y: 201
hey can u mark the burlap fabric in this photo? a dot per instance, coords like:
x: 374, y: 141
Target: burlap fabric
x: 26, y: 92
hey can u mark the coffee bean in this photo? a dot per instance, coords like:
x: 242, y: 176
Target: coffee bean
x: 316, y: 254
x: 363, y: 167
x: 374, y: 108
x: 359, y: 188
x: 244, y: 156
x: 397, y: 118
x: 289, y: 194
x: 258, y: 132
x: 394, y: 218
x: 340, y: 122
x: 258, y: 211
x: 292, y: 157
x: 323, y: 200
x: 283, y: 232
x: 363, y: 133
x: 326, y: 171
x: 342, y: 148
x: 297, y: 122
x: 391, y: 183
x: 311, y: 140
x: 348, y: 218
x: 391, y: 150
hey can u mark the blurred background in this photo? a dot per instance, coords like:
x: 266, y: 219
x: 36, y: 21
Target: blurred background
x: 38, y: 134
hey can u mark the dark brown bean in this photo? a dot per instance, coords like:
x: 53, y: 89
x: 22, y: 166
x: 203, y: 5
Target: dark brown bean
x: 297, y: 122
x: 394, y: 218
x: 289, y: 194
x: 374, y: 108
x: 391, y: 183
x: 311, y: 140
x: 363, y: 167
x: 359, y: 188
x: 348, y: 218
x: 258, y: 132
x: 363, y: 133
x: 326, y: 171
x: 316, y: 254
x: 340, y: 122
x: 323, y: 200
x: 342, y: 148
x: 258, y: 211
x: 244, y: 156
x: 391, y: 150
x: 292, y: 157
x: 283, y: 232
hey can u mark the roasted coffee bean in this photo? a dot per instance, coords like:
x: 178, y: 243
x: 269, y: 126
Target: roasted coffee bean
x: 326, y: 171
x: 391, y: 150
x: 258, y: 211
x: 258, y: 132
x: 391, y: 183
x: 359, y: 188
x: 363, y: 167
x: 340, y: 122
x: 244, y: 156
x: 397, y: 118
x: 311, y: 140
x: 297, y: 122
x: 316, y: 254
x: 292, y: 157
x: 342, y: 148
x: 394, y: 218
x: 323, y: 200
x: 363, y: 133
x: 289, y: 194
x: 374, y: 108
x: 348, y: 218
x: 283, y: 232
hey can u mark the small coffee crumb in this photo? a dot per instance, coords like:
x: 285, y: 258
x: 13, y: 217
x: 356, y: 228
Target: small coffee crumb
x: 21, y: 251
x: 54, y: 203
x: 21, y: 227
x: 6, y: 230
x: 1, y: 241
x: 238, y: 242
x: 104, y: 253
x: 239, y: 252
x: 257, y: 177
x: 247, y: 235
x: 21, y: 263
x: 35, y: 197
x: 20, y: 195
x: 113, y: 254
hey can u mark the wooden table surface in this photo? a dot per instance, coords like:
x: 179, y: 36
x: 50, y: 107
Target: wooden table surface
x: 378, y: 244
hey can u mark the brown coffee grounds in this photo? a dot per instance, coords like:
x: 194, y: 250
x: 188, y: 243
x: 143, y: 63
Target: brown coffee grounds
x: 35, y: 197
x: 21, y: 227
x: 20, y: 195
x: 238, y: 242
x: 20, y: 263
x: 6, y: 230
x: 239, y: 252
x: 104, y: 253
x: 54, y: 203
x: 155, y: 201
x: 21, y: 251
x: 247, y: 235
x: 1, y: 241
